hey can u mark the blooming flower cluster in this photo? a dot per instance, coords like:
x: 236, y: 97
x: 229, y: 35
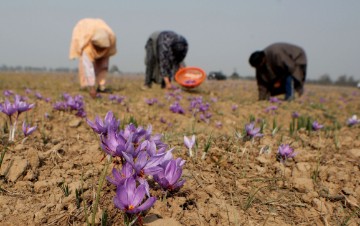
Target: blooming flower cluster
x: 151, y: 101
x: 198, y: 106
x: 116, y: 98
x: 15, y: 109
x: 176, y: 108
x: 142, y: 155
x: 71, y: 103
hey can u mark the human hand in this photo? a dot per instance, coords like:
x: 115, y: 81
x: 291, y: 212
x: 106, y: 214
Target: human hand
x: 167, y: 83
x: 277, y: 84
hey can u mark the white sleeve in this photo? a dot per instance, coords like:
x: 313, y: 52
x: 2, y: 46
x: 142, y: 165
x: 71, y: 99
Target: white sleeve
x: 89, y: 70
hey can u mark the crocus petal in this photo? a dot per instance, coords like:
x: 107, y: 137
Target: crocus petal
x: 146, y: 205
x: 139, y: 195
x: 152, y: 170
x: 118, y: 203
x: 179, y: 184
x: 187, y: 142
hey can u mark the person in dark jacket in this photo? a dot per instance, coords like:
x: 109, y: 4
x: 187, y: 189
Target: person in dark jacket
x: 165, y: 53
x: 280, y: 69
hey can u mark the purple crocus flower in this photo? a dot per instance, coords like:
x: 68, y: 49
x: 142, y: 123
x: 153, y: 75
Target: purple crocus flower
x: 274, y: 100
x: 101, y: 127
x: 169, y: 177
x: 285, y: 152
x: 295, y: 115
x: 116, y: 98
x: 119, y: 177
x: 151, y: 101
x: 234, y: 107
x: 38, y: 96
x: 251, y: 131
x: 8, y: 108
x: 162, y: 120
x: 27, y: 130
x: 21, y: 106
x: 129, y: 198
x: 353, y: 121
x: 144, y: 164
x: 271, y: 109
x: 218, y: 124
x: 8, y: 93
x: 28, y: 91
x: 111, y: 142
x: 176, y: 108
x: 66, y: 96
x: 189, y: 143
x: 81, y: 113
x: 60, y: 106
x: 316, y: 126
x: 190, y: 82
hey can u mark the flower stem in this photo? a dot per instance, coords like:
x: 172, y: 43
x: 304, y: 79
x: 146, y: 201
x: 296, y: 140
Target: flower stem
x: 101, y: 182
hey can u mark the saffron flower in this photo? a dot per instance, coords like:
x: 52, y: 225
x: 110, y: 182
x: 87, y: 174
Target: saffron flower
x: 151, y: 101
x: 162, y: 120
x: 189, y: 143
x: 176, y: 108
x: 38, y: 95
x: 234, y: 107
x: 169, y: 177
x: 274, y: 100
x: 22, y: 106
x: 271, y: 109
x: 119, y: 177
x: 27, y: 130
x: 145, y: 164
x: 353, y: 121
x: 8, y: 108
x: 295, y: 115
x: 8, y: 93
x: 28, y: 91
x: 116, y: 98
x: 112, y: 142
x: 316, y: 126
x: 218, y: 124
x: 285, y: 152
x: 129, y: 198
x: 251, y: 131
x: 101, y: 127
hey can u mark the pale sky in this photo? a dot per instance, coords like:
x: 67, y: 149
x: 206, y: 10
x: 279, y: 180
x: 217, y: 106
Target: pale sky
x: 221, y: 33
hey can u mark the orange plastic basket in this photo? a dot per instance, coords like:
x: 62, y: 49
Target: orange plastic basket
x: 190, y: 77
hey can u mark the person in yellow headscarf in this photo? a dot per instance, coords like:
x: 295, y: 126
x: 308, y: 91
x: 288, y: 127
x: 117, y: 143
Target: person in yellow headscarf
x: 93, y: 42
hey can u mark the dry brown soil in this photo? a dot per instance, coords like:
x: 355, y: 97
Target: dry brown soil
x: 237, y: 183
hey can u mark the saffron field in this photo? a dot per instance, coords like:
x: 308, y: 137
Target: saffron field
x: 212, y: 155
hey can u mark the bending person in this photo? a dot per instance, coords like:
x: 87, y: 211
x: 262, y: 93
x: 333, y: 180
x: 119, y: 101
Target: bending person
x: 93, y: 42
x: 280, y: 69
x: 165, y: 52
